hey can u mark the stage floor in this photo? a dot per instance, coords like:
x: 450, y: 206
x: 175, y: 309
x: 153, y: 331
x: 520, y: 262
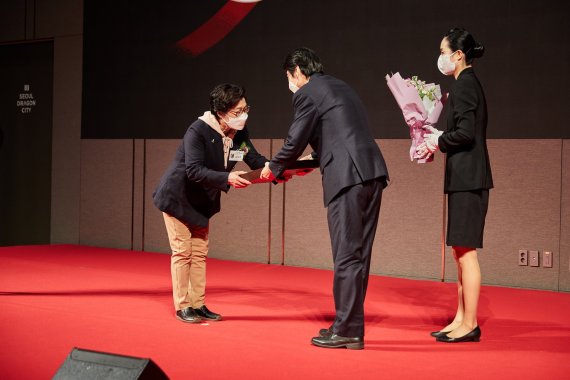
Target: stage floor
x: 54, y: 298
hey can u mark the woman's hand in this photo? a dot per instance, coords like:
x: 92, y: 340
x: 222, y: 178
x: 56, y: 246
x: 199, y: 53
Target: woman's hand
x: 431, y: 130
x: 236, y: 181
x: 422, y: 151
x: 431, y: 142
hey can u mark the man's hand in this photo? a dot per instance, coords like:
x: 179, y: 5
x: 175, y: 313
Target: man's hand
x: 236, y: 181
x: 266, y: 173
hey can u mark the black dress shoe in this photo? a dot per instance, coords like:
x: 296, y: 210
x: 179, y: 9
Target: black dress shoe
x: 207, y: 314
x: 336, y: 341
x: 188, y: 315
x: 437, y: 334
x: 473, y: 336
x: 325, y: 332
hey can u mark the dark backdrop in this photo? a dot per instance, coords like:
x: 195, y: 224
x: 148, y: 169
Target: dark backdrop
x: 26, y: 90
x: 138, y: 84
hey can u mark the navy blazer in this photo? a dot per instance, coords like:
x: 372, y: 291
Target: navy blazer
x: 330, y: 116
x: 465, y: 142
x: 190, y: 188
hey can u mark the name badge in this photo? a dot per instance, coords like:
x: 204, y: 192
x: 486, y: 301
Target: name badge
x: 236, y: 155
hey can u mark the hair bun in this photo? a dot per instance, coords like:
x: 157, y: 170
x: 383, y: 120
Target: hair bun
x: 478, y: 50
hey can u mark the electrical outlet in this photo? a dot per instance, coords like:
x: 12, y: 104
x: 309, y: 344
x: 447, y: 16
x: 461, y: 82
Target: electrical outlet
x: 523, y: 257
x: 547, y: 259
x: 533, y: 258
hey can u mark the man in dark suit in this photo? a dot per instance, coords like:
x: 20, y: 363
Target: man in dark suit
x: 330, y: 117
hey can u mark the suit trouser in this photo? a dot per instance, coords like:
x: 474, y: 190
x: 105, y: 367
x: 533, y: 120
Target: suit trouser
x: 189, y: 247
x: 353, y: 218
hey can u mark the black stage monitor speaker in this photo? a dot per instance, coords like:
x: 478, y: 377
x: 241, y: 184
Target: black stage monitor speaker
x: 88, y: 365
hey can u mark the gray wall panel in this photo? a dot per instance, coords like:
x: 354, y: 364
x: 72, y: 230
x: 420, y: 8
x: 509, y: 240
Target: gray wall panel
x: 276, y: 231
x: 106, y: 193
x: 408, y: 240
x: 159, y: 154
x: 139, y: 194
x: 409, y: 233
x: 307, y: 239
x: 562, y: 260
x: 66, y: 149
x: 239, y: 231
x: 524, y: 213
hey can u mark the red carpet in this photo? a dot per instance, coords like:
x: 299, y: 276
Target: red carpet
x: 54, y: 298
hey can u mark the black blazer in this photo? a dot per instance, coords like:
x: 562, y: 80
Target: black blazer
x: 190, y: 188
x: 330, y: 117
x: 465, y: 142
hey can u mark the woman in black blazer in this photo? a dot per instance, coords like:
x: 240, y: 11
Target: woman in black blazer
x: 189, y: 192
x: 467, y: 176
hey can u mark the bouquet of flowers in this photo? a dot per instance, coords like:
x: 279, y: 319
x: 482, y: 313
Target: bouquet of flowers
x: 421, y: 105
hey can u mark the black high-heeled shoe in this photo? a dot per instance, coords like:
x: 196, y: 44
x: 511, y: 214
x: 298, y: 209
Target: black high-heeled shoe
x: 437, y: 334
x: 473, y: 336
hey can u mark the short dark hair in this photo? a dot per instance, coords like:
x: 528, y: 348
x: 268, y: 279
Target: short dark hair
x: 307, y: 60
x: 224, y: 97
x: 461, y: 39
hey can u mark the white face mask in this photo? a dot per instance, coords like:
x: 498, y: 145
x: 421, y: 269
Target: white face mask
x: 293, y: 87
x: 237, y: 123
x: 445, y: 65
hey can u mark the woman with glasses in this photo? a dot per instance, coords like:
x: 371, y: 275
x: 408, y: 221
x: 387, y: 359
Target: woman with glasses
x: 189, y: 192
x: 467, y: 176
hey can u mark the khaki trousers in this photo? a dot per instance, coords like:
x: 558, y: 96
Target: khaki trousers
x: 189, y: 247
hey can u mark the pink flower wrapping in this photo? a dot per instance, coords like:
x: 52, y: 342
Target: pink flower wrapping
x: 417, y: 112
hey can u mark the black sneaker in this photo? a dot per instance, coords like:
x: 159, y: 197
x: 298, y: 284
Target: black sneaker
x: 188, y: 315
x: 207, y: 314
